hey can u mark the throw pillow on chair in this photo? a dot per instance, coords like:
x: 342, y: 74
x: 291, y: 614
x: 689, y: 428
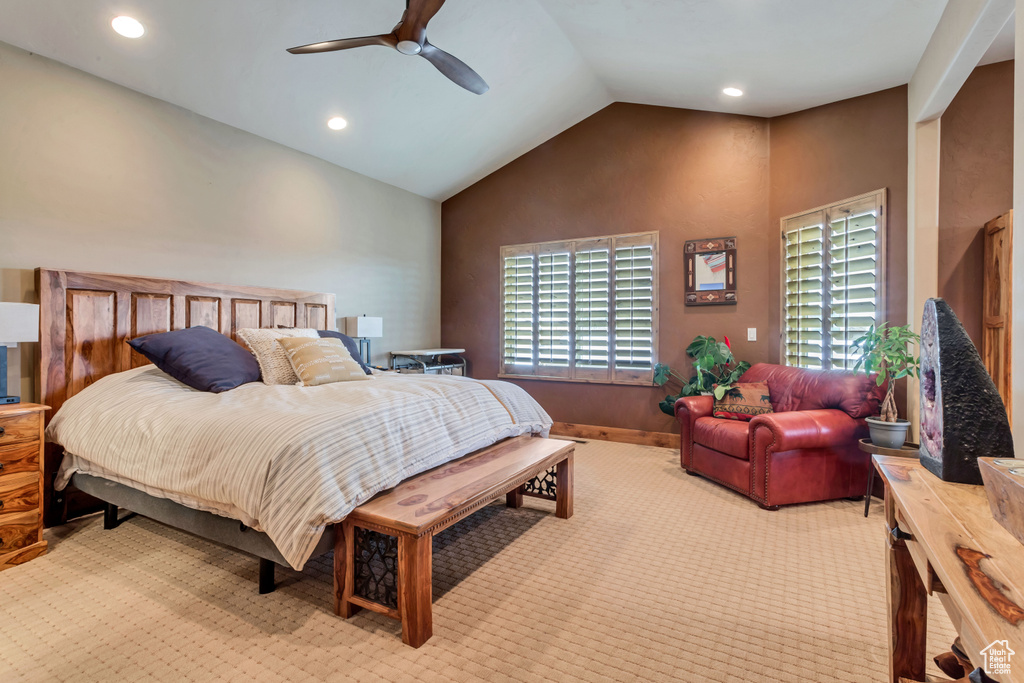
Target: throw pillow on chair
x: 743, y: 401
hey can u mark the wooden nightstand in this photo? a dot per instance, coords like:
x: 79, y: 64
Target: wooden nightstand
x: 21, y: 483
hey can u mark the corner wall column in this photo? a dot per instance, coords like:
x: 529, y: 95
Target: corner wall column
x: 922, y: 235
x: 1017, y: 268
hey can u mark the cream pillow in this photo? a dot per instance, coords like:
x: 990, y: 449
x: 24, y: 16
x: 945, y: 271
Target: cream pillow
x: 321, y: 361
x: 274, y: 364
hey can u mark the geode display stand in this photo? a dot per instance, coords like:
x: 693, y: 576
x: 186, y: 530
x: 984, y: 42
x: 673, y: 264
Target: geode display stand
x: 962, y: 414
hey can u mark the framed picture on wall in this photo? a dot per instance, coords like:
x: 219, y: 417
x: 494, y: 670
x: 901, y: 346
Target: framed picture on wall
x: 710, y: 271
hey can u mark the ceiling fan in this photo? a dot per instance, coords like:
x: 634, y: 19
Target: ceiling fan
x: 410, y: 38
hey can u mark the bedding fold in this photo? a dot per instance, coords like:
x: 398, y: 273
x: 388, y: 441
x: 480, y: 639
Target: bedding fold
x: 286, y: 459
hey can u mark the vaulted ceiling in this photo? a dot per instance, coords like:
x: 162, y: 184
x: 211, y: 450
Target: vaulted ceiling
x: 550, y: 64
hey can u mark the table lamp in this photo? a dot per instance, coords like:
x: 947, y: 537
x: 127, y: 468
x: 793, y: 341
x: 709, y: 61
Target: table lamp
x: 364, y: 328
x: 18, y: 323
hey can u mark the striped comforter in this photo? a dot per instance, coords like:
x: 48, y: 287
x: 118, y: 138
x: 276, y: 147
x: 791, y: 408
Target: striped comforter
x: 287, y: 460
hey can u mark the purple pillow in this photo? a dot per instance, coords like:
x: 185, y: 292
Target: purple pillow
x: 350, y: 344
x: 199, y: 357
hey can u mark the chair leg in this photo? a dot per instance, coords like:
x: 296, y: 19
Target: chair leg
x: 266, y: 576
x: 871, y: 485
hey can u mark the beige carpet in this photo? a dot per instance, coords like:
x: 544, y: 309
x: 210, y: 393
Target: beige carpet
x: 658, y: 576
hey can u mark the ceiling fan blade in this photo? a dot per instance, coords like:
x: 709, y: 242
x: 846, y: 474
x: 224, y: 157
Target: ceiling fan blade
x: 386, y: 40
x: 414, y: 21
x: 454, y: 68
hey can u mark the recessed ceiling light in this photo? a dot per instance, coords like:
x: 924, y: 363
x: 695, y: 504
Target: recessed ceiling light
x: 128, y: 27
x: 336, y: 123
x: 732, y: 92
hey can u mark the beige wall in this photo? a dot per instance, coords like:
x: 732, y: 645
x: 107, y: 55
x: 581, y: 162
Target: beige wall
x: 94, y: 176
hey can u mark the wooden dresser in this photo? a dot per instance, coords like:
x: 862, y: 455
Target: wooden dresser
x: 942, y: 541
x: 21, y: 483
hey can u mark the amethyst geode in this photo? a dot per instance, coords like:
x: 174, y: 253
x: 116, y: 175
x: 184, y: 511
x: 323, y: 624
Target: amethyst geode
x: 962, y: 414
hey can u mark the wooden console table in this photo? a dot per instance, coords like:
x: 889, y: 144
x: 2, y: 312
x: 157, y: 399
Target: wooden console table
x: 942, y: 541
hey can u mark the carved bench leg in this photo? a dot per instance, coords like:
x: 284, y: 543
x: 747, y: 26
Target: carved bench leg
x: 514, y: 498
x: 563, y: 488
x: 415, y: 588
x: 344, y: 575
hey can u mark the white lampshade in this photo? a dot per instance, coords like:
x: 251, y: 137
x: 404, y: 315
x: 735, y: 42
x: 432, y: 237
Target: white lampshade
x: 19, y: 323
x: 364, y: 326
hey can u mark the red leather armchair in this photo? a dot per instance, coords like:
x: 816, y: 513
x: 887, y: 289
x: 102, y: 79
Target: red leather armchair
x: 803, y: 452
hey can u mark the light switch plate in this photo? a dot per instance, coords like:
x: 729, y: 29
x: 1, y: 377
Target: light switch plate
x: 751, y: 334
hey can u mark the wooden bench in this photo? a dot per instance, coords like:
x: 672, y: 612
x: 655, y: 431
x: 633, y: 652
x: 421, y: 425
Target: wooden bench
x: 382, y: 552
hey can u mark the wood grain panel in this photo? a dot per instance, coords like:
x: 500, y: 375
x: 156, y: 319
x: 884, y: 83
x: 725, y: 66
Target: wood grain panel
x: 997, y: 305
x: 22, y: 457
x: 245, y: 314
x: 19, y: 492
x: 283, y: 314
x: 85, y: 319
x: 636, y: 436
x: 316, y: 316
x: 150, y: 314
x: 18, y: 428
x: 202, y: 310
x: 18, y: 530
x: 21, y: 556
x: 91, y: 344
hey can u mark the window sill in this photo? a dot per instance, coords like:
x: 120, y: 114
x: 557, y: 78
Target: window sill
x: 648, y: 382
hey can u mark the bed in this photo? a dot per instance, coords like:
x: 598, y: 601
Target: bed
x: 138, y: 439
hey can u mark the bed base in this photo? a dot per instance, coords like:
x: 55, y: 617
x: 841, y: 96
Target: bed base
x: 206, y: 525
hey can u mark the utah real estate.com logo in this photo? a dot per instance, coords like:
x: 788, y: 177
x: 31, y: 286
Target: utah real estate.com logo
x: 997, y: 657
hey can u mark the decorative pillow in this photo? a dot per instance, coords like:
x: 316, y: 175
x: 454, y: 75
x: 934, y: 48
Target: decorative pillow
x: 274, y: 364
x: 349, y: 343
x: 199, y: 357
x: 743, y: 401
x: 321, y: 361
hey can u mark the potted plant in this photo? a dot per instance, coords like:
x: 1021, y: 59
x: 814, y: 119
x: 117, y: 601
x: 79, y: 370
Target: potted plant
x: 884, y: 350
x: 716, y: 371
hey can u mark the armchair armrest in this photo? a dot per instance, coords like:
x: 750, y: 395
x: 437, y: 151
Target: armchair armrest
x: 693, y: 407
x: 688, y: 410
x: 801, y: 429
x: 790, y: 431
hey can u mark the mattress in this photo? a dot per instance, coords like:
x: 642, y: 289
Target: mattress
x: 287, y: 460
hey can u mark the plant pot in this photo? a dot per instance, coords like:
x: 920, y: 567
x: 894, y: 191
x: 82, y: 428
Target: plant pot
x: 888, y: 434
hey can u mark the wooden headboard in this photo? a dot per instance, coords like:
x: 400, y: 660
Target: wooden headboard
x: 86, y: 318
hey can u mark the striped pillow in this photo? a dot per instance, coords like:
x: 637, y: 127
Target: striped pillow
x: 274, y: 364
x: 321, y: 361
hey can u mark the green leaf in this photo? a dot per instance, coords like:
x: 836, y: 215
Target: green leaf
x: 720, y: 391
x: 662, y: 373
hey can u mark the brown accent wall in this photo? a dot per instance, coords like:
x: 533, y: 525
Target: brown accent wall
x: 975, y: 184
x: 690, y: 175
x: 840, y: 150
x: 628, y: 168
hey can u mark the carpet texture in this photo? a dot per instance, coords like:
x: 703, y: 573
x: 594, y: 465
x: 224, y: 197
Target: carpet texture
x: 658, y: 576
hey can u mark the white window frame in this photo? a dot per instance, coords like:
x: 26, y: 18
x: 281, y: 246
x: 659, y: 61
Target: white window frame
x: 610, y: 375
x: 827, y: 211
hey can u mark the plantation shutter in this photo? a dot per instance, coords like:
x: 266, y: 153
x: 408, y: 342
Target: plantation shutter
x: 855, y: 276
x: 518, y: 302
x: 634, y: 306
x: 554, y: 294
x: 833, y: 281
x: 582, y: 310
x: 804, y: 299
x: 592, y: 321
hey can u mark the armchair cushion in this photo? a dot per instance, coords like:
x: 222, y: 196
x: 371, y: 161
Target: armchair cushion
x: 803, y: 429
x: 731, y: 437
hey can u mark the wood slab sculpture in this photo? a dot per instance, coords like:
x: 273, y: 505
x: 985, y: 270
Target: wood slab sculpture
x: 962, y: 414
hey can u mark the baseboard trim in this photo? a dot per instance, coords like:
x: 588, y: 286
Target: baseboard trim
x: 635, y: 436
